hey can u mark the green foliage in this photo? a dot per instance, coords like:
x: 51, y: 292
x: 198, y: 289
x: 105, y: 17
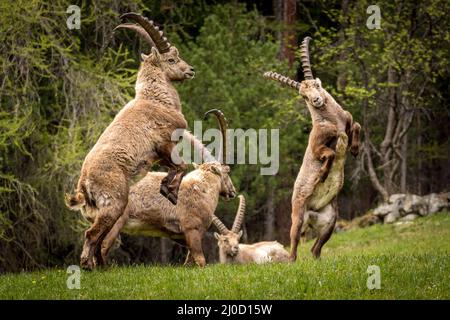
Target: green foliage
x: 413, y: 259
x: 60, y: 88
x: 57, y: 96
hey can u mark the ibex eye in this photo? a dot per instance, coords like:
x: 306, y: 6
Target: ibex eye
x: 171, y: 61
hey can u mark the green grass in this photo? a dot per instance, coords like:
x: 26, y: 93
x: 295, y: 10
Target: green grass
x: 413, y: 258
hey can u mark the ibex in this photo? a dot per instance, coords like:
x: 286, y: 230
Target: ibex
x: 333, y: 132
x: 139, y: 135
x: 150, y: 214
x: 231, y: 251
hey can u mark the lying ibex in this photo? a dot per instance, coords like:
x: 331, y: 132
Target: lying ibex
x: 139, y: 135
x: 150, y: 214
x: 231, y: 251
x: 314, y: 189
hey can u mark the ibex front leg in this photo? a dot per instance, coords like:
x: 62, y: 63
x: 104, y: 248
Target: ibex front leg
x: 352, y: 129
x: 177, y: 169
x: 323, y: 139
x: 354, y: 139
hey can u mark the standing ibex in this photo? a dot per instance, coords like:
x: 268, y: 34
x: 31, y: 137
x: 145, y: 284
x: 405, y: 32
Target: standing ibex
x: 139, y: 135
x: 333, y: 131
x: 149, y: 214
x: 231, y: 251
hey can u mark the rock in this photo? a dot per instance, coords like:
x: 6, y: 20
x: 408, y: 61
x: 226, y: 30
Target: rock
x: 385, y: 209
x: 436, y: 202
x: 410, y: 217
x: 397, y: 199
x: 391, y: 217
x: 403, y: 223
x: 414, y: 204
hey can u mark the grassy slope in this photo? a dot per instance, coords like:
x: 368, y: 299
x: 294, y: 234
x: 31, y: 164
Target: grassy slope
x: 414, y: 262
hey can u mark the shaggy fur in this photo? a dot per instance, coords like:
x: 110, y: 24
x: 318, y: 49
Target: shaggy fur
x: 149, y: 213
x: 139, y: 136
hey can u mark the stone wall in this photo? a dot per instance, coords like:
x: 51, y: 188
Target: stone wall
x: 407, y: 207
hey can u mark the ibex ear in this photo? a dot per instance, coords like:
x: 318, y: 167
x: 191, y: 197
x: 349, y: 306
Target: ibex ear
x: 144, y: 56
x: 215, y: 170
x: 319, y: 82
x: 216, y: 235
x: 155, y: 56
x: 196, y: 166
x: 240, y: 234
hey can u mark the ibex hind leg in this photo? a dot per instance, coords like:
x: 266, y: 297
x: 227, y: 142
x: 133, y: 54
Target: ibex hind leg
x: 104, y: 221
x: 326, y: 222
x: 297, y: 217
x: 112, y: 236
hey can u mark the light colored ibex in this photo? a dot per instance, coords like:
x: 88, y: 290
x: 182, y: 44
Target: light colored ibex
x: 231, y: 251
x: 148, y: 213
x: 333, y: 132
x: 139, y: 135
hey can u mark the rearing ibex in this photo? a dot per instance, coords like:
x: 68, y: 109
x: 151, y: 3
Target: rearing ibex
x: 321, y: 175
x: 139, y: 135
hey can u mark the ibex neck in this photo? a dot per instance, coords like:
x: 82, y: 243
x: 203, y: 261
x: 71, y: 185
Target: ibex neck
x: 156, y: 86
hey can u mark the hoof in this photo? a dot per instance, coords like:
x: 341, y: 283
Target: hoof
x: 164, y: 190
x: 324, y: 178
x: 292, y: 259
x: 86, y: 264
x: 172, y: 198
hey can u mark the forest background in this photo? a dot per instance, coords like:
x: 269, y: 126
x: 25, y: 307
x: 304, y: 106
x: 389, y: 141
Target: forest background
x: 59, y: 89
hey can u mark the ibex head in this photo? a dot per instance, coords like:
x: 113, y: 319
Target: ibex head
x: 310, y: 89
x: 163, y: 55
x: 227, y: 189
x: 228, y: 240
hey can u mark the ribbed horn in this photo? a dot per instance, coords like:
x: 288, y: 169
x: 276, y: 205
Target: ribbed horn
x: 153, y: 31
x: 219, y: 225
x: 282, y: 79
x: 141, y: 31
x: 304, y: 56
x: 239, y: 215
x: 223, y: 129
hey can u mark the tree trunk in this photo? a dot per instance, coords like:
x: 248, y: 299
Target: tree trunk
x: 278, y: 11
x: 289, y: 43
x: 404, y: 168
x: 270, y: 217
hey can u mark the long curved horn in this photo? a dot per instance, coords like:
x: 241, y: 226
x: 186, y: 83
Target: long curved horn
x: 141, y: 31
x: 153, y: 31
x: 223, y: 129
x: 239, y: 215
x: 282, y: 79
x: 304, y: 55
x: 219, y: 225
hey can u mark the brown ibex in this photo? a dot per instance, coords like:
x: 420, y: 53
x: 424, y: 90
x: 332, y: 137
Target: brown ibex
x: 149, y: 214
x: 314, y: 189
x: 231, y: 251
x: 139, y: 135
